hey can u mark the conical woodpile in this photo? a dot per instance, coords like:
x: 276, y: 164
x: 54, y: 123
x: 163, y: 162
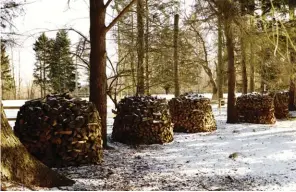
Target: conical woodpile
x: 60, y: 130
x: 281, y: 104
x: 142, y: 120
x: 255, y: 108
x: 192, y: 113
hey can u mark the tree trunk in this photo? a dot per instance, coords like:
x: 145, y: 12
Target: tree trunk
x: 292, y: 91
x: 147, y: 50
x: 252, y: 59
x: 215, y: 93
x: 220, y: 70
x: 252, y: 68
x: 140, y: 48
x: 19, y: 166
x: 121, y: 65
x: 41, y: 89
x: 98, y: 79
x: 244, y: 66
x: 44, y: 80
x: 231, y: 109
x: 212, y: 81
x: 176, y: 70
x: 132, y: 58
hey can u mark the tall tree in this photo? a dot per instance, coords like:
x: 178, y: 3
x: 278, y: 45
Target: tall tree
x: 42, y: 50
x: 220, y: 67
x: 227, y: 9
x: 251, y: 8
x: 176, y: 58
x: 147, y: 86
x: 292, y: 91
x: 98, y: 79
x: 140, y: 48
x: 62, y: 68
x: 7, y: 82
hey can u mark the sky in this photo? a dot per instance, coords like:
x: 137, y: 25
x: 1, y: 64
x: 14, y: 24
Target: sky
x: 48, y: 16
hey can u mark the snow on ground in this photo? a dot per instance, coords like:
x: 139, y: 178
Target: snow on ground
x: 264, y: 160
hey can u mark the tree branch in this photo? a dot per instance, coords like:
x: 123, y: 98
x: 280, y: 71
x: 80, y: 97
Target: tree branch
x: 108, y: 3
x: 120, y: 15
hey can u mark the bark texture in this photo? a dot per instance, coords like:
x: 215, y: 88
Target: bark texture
x: 176, y: 70
x: 231, y: 110
x: 140, y: 48
x: 147, y: 51
x: 244, y: 66
x: 220, y: 73
x: 98, y: 79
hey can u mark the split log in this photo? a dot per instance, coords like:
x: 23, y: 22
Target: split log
x: 292, y: 96
x: 192, y: 113
x: 142, y: 120
x: 255, y: 108
x: 60, y: 130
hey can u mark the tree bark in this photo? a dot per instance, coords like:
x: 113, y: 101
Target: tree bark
x: 252, y: 59
x: 252, y: 68
x: 176, y: 67
x: 41, y: 89
x: 132, y: 58
x: 220, y: 70
x: 244, y: 66
x: 140, y: 48
x: 98, y: 79
x: 231, y: 109
x: 147, y: 88
x: 292, y: 90
x: 98, y: 55
x: 19, y: 166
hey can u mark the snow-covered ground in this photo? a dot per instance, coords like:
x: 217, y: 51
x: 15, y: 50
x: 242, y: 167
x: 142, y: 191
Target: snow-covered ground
x: 265, y: 160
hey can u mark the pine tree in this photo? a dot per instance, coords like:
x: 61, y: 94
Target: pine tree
x: 62, y: 69
x: 7, y: 84
x: 42, y: 48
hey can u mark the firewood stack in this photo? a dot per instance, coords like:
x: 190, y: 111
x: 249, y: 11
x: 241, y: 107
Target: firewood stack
x: 281, y: 104
x: 60, y: 130
x: 142, y: 120
x: 192, y: 113
x: 255, y: 108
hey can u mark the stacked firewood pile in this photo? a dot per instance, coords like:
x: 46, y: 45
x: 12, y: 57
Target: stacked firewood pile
x: 281, y: 104
x: 255, y: 108
x: 142, y: 120
x: 292, y: 96
x: 60, y: 130
x: 192, y: 113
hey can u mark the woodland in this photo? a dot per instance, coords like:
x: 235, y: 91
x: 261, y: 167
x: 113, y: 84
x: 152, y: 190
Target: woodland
x: 200, y: 95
